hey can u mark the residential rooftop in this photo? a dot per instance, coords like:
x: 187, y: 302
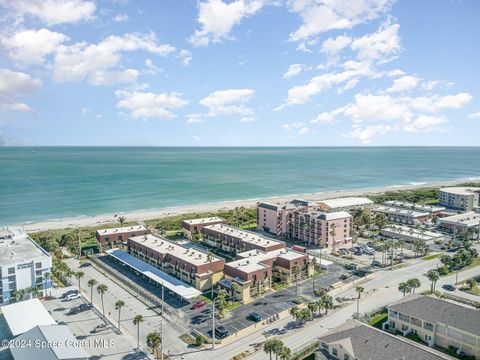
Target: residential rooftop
x: 17, y: 247
x: 291, y: 205
x: 410, y: 231
x: 204, y: 220
x: 399, y: 211
x: 346, y: 202
x: 460, y: 190
x: 366, y: 342
x: 247, y: 265
x: 468, y: 219
x: 435, y: 310
x: 163, y: 246
x: 246, y: 236
x: 329, y: 216
x: 258, y: 255
x: 120, y: 230
x: 413, y: 206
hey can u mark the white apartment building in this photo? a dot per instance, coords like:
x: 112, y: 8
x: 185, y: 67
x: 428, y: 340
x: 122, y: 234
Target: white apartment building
x: 23, y: 264
x: 460, y: 198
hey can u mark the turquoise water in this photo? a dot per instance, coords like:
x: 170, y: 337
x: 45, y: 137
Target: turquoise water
x: 50, y: 183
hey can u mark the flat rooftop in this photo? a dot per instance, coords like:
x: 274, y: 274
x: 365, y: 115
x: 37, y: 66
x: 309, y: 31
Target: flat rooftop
x: 258, y: 255
x: 204, y: 220
x: 399, y: 211
x: 122, y: 230
x: 172, y: 283
x: 17, y: 247
x: 328, y: 216
x: 413, y: 206
x: 162, y: 245
x: 346, y: 202
x: 25, y: 315
x: 408, y: 231
x: 247, y: 265
x: 246, y: 236
x: 460, y: 190
x: 468, y: 219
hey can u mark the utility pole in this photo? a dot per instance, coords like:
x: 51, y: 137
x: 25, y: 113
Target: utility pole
x: 79, y: 246
x: 456, y: 278
x: 161, y: 339
x: 213, y: 325
x: 163, y: 291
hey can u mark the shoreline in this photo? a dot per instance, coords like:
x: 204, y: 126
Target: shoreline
x: 142, y: 215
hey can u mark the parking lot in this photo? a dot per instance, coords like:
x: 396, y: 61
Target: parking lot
x: 106, y: 344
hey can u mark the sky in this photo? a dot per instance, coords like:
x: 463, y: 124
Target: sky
x: 239, y: 73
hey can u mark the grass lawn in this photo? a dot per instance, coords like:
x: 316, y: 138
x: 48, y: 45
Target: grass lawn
x: 232, y: 305
x: 431, y: 257
x: 475, y: 262
x: 378, y: 320
x: 187, y: 339
x: 398, y: 266
x: 474, y: 291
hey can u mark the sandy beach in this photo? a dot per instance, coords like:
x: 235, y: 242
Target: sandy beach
x: 142, y: 215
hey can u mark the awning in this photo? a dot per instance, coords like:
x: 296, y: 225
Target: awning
x: 25, y: 315
x: 171, y: 283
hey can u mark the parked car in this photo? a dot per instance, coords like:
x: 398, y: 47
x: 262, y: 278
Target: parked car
x: 72, y: 296
x: 449, y: 287
x: 255, y: 317
x: 351, y: 266
x: 369, y: 251
x: 342, y: 252
x: 221, y: 332
x: 345, y: 276
x: 73, y: 311
x: 84, y: 307
x: 376, y: 263
x: 85, y: 264
x: 69, y: 292
x: 299, y: 300
x: 199, y: 304
x: 99, y: 328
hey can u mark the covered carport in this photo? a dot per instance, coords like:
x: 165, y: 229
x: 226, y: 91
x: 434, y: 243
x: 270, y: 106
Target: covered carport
x: 156, y: 275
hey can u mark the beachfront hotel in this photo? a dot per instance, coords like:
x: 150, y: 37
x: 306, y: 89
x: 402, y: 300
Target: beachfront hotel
x: 460, y: 223
x: 302, y: 221
x: 234, y: 240
x: 23, y: 264
x: 437, y: 322
x: 345, y: 204
x: 192, y: 266
x: 115, y: 237
x: 402, y: 215
x: 193, y: 227
x: 255, y: 271
x: 460, y: 198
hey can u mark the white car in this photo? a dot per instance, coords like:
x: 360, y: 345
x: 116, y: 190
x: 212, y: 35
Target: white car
x: 72, y: 296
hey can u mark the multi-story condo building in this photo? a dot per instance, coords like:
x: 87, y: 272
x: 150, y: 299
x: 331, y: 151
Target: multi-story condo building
x: 255, y: 270
x: 328, y: 230
x: 275, y: 219
x: 410, y: 234
x: 431, y: 209
x: 355, y: 340
x: 460, y: 198
x: 345, y: 204
x: 23, y: 264
x: 195, y: 226
x: 234, y: 240
x: 401, y: 215
x: 191, y: 266
x: 437, y: 322
x: 460, y: 224
x: 117, y: 236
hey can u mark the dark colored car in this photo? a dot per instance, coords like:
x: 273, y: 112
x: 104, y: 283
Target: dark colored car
x: 351, y: 267
x: 85, y: 264
x: 376, y: 263
x: 255, y: 317
x: 221, y: 332
x: 84, y: 307
x: 345, y: 276
x: 449, y: 287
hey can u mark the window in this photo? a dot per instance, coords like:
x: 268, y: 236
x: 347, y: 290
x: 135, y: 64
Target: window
x: 38, y: 265
x: 427, y: 326
x: 346, y: 357
x: 334, y: 352
x: 324, y: 346
x: 11, y: 271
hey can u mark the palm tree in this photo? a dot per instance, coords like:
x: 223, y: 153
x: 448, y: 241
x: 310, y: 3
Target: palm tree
x: 285, y: 353
x: 122, y: 220
x: 433, y: 276
x: 359, y: 290
x: 46, y: 276
x: 91, y: 284
x: 269, y: 347
x: 277, y: 347
x: 118, y: 306
x: 79, y: 275
x: 101, y: 290
x: 137, y: 320
x: 296, y: 272
x: 327, y: 302
x: 333, y: 234
x: 294, y: 311
x: 314, y: 261
x: 403, y: 287
x: 306, y: 227
x: 68, y: 274
x: 154, y: 341
x: 234, y: 288
x: 414, y: 283
x: 312, y: 306
x: 471, y: 283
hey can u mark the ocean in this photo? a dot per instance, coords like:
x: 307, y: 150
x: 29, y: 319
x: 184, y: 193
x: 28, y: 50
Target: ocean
x: 40, y: 183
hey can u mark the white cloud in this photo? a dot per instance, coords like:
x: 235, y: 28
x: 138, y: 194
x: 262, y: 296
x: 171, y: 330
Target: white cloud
x: 475, y: 115
x: 228, y: 102
x: 404, y: 83
x: 365, y: 134
x: 425, y: 123
x: 247, y: 119
x: 377, y: 108
x: 113, y: 77
x: 185, y: 57
x: 380, y: 45
x: 82, y: 61
x: 196, y: 138
x: 121, y: 18
x: 320, y: 16
x: 348, y: 86
x: 435, y: 103
x: 13, y: 85
x: 32, y: 46
x: 194, y: 119
x: 53, y: 12
x: 333, y: 46
x: 293, y: 70
x: 152, y: 68
x: 85, y: 111
x: 296, y: 127
x: 217, y: 18
x: 149, y: 105
x: 324, y: 118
